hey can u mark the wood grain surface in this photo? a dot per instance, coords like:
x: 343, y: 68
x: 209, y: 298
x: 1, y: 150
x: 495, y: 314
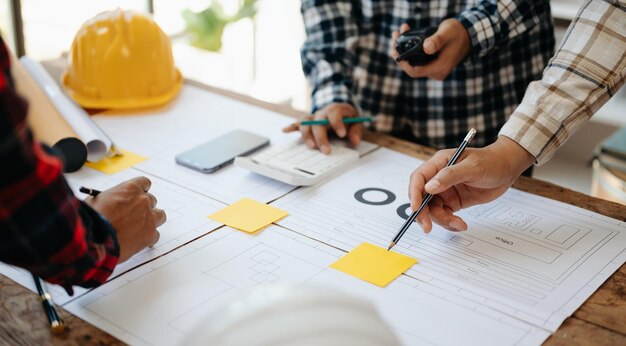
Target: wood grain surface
x: 601, y: 320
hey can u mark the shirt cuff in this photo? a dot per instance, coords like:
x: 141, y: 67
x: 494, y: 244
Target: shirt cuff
x: 480, y: 30
x: 331, y: 93
x: 103, y: 251
x: 538, y: 133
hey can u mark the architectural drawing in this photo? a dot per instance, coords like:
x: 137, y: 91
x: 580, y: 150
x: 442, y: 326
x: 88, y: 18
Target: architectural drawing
x: 523, y: 255
x: 525, y: 264
x: 194, y: 118
x: 161, y: 303
x: 186, y: 220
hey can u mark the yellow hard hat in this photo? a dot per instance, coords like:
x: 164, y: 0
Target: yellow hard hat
x: 121, y: 59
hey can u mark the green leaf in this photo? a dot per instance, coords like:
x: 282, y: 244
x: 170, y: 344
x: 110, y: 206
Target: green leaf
x: 205, y: 28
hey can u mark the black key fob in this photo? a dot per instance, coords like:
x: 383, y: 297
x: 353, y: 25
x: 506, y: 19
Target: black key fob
x: 410, y: 47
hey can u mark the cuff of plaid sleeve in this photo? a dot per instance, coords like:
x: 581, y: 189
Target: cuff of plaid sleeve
x: 112, y: 247
x: 333, y: 93
x: 95, y: 276
x: 101, y: 230
x: 480, y: 30
x: 103, y: 251
x: 539, y: 135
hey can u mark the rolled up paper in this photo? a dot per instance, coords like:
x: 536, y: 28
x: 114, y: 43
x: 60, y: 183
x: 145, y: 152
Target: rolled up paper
x: 47, y: 124
x: 97, y: 142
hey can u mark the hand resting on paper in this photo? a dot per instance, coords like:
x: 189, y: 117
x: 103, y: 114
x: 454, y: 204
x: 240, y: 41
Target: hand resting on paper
x: 480, y: 176
x: 132, y: 212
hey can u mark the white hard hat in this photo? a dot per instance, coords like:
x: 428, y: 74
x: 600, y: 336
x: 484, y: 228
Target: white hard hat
x: 284, y: 316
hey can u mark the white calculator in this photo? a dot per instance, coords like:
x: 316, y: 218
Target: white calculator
x: 296, y: 164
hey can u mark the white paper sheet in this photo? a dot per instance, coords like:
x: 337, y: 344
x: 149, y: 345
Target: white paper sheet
x: 526, y: 256
x: 187, y: 219
x: 160, y: 303
x: 195, y: 117
x: 525, y: 264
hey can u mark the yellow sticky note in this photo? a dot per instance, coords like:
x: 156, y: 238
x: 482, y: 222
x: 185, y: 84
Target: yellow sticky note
x: 248, y: 215
x: 112, y: 165
x: 374, y: 264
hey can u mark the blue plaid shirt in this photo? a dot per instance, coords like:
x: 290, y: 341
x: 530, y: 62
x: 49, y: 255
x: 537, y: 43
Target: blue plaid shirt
x: 346, y: 58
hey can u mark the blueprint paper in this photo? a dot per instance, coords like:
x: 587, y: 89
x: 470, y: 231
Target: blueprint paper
x: 161, y: 302
x: 524, y: 265
x: 195, y: 117
x: 159, y: 134
x: 526, y: 256
x: 186, y: 220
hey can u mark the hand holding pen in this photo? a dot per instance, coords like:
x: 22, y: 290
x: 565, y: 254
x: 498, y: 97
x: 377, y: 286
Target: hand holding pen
x: 316, y: 136
x: 132, y: 211
x: 480, y: 176
x: 428, y: 197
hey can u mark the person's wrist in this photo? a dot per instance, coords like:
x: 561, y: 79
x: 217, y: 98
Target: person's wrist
x: 513, y: 154
x: 479, y: 31
x: 329, y: 94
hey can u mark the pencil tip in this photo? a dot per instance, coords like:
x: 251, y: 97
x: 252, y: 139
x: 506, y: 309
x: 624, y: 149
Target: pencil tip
x: 391, y: 245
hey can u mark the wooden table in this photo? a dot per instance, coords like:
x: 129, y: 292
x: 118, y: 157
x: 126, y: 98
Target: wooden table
x: 601, y: 320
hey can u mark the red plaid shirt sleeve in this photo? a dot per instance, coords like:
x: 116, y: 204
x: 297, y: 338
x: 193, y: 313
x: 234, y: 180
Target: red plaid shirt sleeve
x: 43, y: 227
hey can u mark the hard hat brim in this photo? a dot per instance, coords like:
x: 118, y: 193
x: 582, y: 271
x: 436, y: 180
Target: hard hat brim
x: 123, y: 103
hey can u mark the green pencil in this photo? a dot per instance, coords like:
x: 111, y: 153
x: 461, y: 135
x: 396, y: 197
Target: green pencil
x: 344, y: 120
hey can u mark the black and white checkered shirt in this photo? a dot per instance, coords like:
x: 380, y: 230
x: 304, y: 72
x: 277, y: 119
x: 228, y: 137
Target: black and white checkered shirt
x: 346, y: 58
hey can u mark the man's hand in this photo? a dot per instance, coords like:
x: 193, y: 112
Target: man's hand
x: 480, y: 176
x: 132, y: 212
x: 452, y: 42
x: 317, y: 136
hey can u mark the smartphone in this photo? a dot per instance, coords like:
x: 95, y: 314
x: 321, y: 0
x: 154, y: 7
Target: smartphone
x: 221, y: 151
